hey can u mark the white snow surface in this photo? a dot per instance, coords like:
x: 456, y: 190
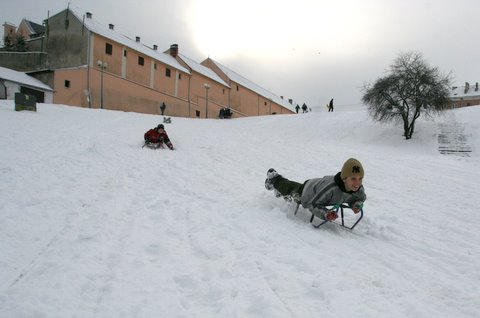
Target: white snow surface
x: 92, y: 225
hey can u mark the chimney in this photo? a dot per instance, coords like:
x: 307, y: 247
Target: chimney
x: 281, y: 97
x: 111, y: 26
x: 476, y: 87
x: 137, y: 39
x: 155, y: 47
x: 467, y: 87
x: 290, y: 101
x: 174, y: 50
x: 9, y: 29
x: 89, y: 15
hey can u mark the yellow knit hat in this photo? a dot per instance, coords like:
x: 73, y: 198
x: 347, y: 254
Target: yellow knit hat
x: 352, y: 167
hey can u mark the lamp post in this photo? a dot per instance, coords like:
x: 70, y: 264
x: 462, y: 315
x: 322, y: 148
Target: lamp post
x: 207, y: 87
x: 103, y: 66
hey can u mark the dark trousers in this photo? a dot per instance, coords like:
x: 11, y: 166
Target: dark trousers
x: 288, y: 188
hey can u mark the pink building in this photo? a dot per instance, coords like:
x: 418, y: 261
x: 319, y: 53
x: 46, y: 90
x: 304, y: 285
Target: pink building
x: 467, y: 95
x: 90, y: 64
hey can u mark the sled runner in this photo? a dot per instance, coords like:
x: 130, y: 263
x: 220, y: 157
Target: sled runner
x: 153, y: 145
x: 340, y: 221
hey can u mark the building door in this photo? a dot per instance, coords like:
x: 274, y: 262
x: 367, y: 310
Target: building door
x: 3, y: 90
x: 38, y: 94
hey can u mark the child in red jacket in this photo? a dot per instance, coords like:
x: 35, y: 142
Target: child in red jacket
x: 158, y: 136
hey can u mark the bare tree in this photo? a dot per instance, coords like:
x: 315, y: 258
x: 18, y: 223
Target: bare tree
x: 409, y: 89
x: 7, y: 43
x: 14, y: 43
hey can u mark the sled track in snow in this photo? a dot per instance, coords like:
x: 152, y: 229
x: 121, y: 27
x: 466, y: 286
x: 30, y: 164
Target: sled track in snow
x: 24, y: 272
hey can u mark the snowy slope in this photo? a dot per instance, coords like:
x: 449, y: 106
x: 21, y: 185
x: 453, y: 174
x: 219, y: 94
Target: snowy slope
x: 92, y: 225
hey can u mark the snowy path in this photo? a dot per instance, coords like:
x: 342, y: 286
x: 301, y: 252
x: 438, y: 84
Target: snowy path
x: 94, y: 226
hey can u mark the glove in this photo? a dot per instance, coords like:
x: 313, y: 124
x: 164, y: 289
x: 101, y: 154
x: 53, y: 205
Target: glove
x: 331, y: 215
x: 357, y: 206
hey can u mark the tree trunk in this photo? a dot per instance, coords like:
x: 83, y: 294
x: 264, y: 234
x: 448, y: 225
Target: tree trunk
x: 409, y: 130
x: 406, y: 128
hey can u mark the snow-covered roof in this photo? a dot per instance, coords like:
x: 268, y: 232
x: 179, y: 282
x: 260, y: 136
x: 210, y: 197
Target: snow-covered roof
x: 22, y: 78
x: 458, y: 92
x: 237, y: 78
x: 197, y: 67
x: 33, y: 27
x: 103, y: 30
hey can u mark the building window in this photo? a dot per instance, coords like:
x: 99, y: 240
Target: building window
x: 67, y: 83
x: 265, y: 103
x: 237, y: 88
x: 179, y: 76
x: 141, y: 61
x: 197, y: 113
x: 167, y: 72
x: 108, y: 49
x: 154, y: 66
x: 223, y: 91
x: 125, y: 53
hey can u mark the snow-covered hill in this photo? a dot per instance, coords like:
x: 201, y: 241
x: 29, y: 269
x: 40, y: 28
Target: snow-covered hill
x: 92, y: 225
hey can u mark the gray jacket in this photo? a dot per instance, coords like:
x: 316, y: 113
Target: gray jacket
x: 328, y: 191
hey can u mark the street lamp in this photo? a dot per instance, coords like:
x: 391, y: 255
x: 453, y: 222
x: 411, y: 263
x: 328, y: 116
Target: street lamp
x: 103, y: 66
x: 207, y: 87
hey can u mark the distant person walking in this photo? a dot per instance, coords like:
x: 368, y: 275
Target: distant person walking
x: 330, y: 106
x: 304, y: 108
x: 297, y: 108
x: 162, y: 108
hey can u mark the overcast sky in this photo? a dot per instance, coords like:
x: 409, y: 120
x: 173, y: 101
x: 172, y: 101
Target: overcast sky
x: 307, y: 50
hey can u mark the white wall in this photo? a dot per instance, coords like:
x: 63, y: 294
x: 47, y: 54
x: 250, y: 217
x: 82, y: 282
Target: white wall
x: 13, y: 88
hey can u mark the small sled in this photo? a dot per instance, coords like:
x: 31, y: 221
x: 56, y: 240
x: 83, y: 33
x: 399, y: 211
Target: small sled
x: 342, y: 219
x: 153, y: 145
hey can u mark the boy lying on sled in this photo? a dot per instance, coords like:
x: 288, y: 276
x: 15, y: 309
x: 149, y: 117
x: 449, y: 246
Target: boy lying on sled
x: 317, y: 194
